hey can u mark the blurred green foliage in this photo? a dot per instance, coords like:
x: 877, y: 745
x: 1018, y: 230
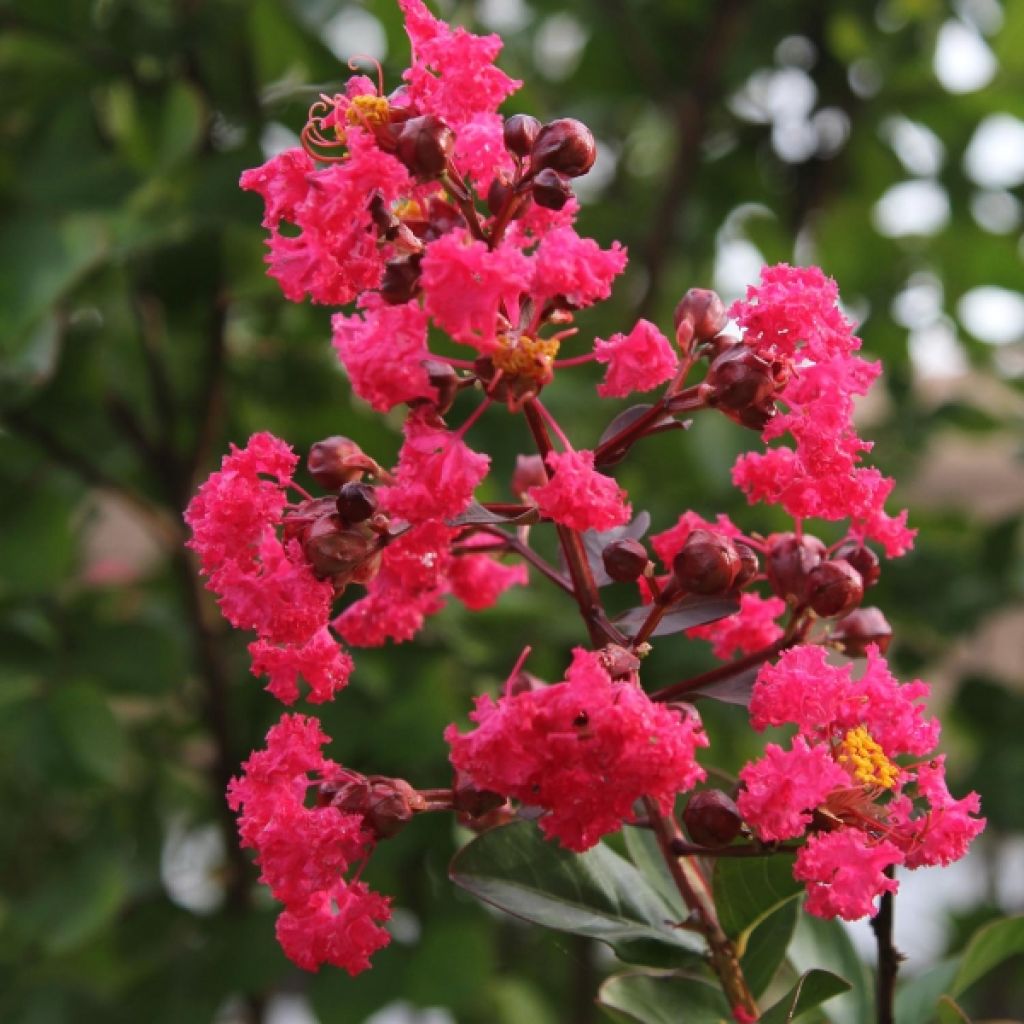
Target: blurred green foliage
x: 138, y: 335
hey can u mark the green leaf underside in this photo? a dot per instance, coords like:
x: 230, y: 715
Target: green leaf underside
x: 821, y: 943
x: 650, y: 998
x: 810, y: 991
x: 597, y: 894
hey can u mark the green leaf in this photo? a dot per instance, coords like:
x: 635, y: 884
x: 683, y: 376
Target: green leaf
x: 748, y: 889
x: 766, y: 946
x: 597, y: 894
x: 988, y: 948
x: 811, y: 990
x: 644, y: 852
x: 918, y: 1000
x: 826, y: 944
x: 91, y: 730
x: 951, y: 1013
x: 650, y: 998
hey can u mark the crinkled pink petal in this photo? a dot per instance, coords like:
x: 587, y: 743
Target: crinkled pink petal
x: 580, y: 497
x: 845, y: 871
x: 637, y: 361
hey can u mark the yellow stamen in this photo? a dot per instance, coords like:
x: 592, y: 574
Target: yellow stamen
x: 368, y: 109
x: 866, y: 760
x: 409, y: 209
x: 525, y: 356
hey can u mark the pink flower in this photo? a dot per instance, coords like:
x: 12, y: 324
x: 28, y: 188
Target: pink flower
x: 437, y: 473
x: 320, y: 661
x: 794, y: 308
x: 480, y: 153
x: 871, y: 812
x: 453, y: 74
x: 383, y: 349
x: 412, y: 584
x: 637, y: 361
x: 785, y: 786
x: 578, y: 496
x: 236, y: 504
x: 584, y: 750
x: 844, y: 872
x: 341, y: 927
x: 336, y: 254
x: 751, y: 629
x: 466, y: 284
x: 479, y: 580
x: 577, y: 269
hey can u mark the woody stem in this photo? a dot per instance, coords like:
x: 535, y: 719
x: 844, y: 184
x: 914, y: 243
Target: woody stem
x: 583, y: 586
x: 696, y: 894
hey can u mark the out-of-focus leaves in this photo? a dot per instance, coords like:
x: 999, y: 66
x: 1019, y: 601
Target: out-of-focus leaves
x: 826, y: 944
x: 767, y: 944
x: 91, y: 730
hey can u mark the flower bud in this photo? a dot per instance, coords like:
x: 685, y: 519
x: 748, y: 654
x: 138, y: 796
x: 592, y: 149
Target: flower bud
x: 334, y: 461
x: 739, y: 378
x: 445, y: 380
x: 618, y: 661
x: 401, y: 280
x: 699, y: 315
x: 529, y: 472
x: 707, y: 564
x: 425, y: 145
x: 356, y: 502
x: 331, y: 549
x: 712, y: 818
x: 565, y: 145
x: 298, y: 520
x: 754, y: 417
x: 521, y: 131
x: 551, y: 189
x: 384, y: 219
x: 834, y: 588
x: 624, y: 560
x: 863, y: 559
x: 498, y: 194
x: 790, y: 559
x: 749, y: 565
x: 442, y: 217
x: 859, y: 629
x: 470, y: 800
x: 386, y: 805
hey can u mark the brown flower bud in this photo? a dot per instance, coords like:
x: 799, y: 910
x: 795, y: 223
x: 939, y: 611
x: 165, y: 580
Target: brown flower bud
x: 749, y: 565
x: 565, y: 145
x: 470, y: 800
x: 445, y: 380
x: 384, y: 220
x: 712, y: 818
x: 298, y: 521
x: 790, y: 559
x: 425, y: 145
x: 529, y: 472
x: 498, y: 194
x: 738, y: 378
x: 699, y: 315
x: 833, y: 588
x: 624, y: 560
x: 334, y: 461
x: 356, y: 502
x: 521, y: 131
x: 551, y: 189
x: 863, y: 559
x: 442, y: 217
x: 386, y: 805
x: 707, y: 564
x: 754, y: 417
x: 859, y: 629
x: 331, y: 549
x: 401, y: 280
x: 618, y: 661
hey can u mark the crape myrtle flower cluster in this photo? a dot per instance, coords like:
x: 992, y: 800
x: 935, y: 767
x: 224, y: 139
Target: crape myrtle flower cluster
x: 449, y: 233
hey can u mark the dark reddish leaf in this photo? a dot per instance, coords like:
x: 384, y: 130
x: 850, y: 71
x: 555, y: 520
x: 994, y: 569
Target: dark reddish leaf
x: 691, y: 611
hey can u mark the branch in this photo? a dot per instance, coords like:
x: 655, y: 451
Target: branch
x: 527, y: 553
x: 889, y: 958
